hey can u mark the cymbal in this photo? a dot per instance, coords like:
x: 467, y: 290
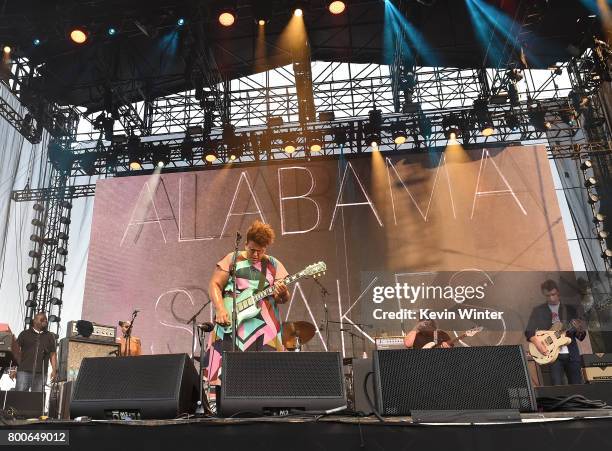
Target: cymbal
x: 297, y: 329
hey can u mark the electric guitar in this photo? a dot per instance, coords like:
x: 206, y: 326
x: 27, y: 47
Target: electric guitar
x: 553, y: 339
x: 467, y: 333
x: 247, y: 302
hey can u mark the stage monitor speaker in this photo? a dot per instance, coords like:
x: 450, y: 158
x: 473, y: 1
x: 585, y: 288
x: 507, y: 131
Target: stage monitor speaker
x: 475, y: 378
x: 21, y: 404
x: 143, y: 387
x: 73, y: 350
x: 267, y: 382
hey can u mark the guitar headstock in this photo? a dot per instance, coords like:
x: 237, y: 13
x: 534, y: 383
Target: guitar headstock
x: 315, y: 270
x: 474, y: 331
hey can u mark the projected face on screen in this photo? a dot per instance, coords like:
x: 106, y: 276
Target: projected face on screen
x: 376, y: 221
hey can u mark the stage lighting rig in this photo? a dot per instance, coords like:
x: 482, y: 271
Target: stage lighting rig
x: 398, y: 133
x: 226, y: 15
x: 451, y: 126
x: 483, y: 117
x: 336, y: 7
x: 79, y: 35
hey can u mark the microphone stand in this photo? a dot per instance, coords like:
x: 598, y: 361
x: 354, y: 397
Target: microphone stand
x: 324, y: 293
x: 201, y: 338
x: 128, y: 334
x: 43, y: 375
x: 192, y: 320
x: 233, y: 275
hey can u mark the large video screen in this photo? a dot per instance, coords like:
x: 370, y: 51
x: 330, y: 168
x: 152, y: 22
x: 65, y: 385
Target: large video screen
x: 477, y: 230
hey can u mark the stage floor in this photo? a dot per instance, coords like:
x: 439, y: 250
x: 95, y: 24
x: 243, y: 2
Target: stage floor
x: 542, y: 431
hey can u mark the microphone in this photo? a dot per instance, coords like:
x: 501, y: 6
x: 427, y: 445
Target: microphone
x: 206, y: 327
x: 238, y: 236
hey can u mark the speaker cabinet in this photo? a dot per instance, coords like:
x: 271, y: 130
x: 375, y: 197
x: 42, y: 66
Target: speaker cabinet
x: 21, y: 404
x: 74, y: 350
x: 475, y: 378
x: 264, y: 382
x: 143, y: 387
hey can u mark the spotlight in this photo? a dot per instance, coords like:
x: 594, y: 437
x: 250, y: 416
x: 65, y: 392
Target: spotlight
x: 537, y: 116
x: 62, y: 251
x: 602, y: 235
x: 487, y: 130
x: 111, y: 31
x: 340, y: 136
x: 59, y: 267
x: 589, y: 182
x: 50, y: 241
x: 398, y: 132
x: 227, y: 16
x: 36, y: 238
x: 451, y: 126
x: 34, y: 254
x: 31, y: 303
x: 79, y: 35
x: 607, y: 253
x: 134, y: 150
x: 593, y: 198
x: 512, y: 120
x: 36, y: 42
x: 58, y: 284
x: 37, y: 223
x: 162, y: 155
x: 298, y: 12
x: 290, y: 146
x: 67, y: 205
x: 32, y: 270
x: 180, y: 22
x: 336, y: 7
x: 483, y: 117
x: 32, y: 287
x: 65, y: 220
x: 586, y: 164
x: 316, y: 144
x: 38, y: 207
x: 210, y: 155
x: 261, y: 22
x: 54, y: 319
x: 55, y: 301
x: 234, y: 153
x: 7, y: 49
x: 598, y: 218
x: 187, y: 149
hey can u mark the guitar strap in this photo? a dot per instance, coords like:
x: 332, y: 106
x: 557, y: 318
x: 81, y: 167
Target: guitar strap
x: 262, y: 275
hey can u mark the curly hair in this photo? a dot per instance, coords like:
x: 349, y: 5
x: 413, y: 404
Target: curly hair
x: 260, y: 233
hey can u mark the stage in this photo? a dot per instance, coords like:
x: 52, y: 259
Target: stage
x: 542, y: 431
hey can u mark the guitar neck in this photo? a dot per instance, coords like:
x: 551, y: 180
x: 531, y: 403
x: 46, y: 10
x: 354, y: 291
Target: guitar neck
x: 456, y: 339
x: 288, y: 281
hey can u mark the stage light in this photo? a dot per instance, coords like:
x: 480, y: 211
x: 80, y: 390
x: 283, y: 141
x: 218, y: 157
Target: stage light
x: 187, y: 149
x: 298, y: 12
x: 211, y: 154
x: 340, y: 136
x: 537, y: 116
x: 586, y: 164
x: 593, y: 198
x: 36, y: 238
x: 55, y: 301
x: 483, y: 117
x: 111, y: 31
x: 316, y: 145
x: 336, y: 7
x: 261, y: 22
x: 512, y: 120
x: 65, y: 220
x: 7, y: 49
x: 602, y: 235
x: 607, y: 253
x: 290, y: 147
x: 38, y: 207
x: 59, y: 267
x: 62, y: 251
x: 227, y: 16
x: 598, y: 218
x: 36, y: 42
x: 37, y: 223
x: 32, y: 287
x: 54, y: 319
x: 34, y: 254
x: 50, y: 241
x: 67, y: 205
x: 162, y: 155
x: 31, y: 303
x: 180, y: 22
x: 373, y: 138
x: 487, y: 130
x: 398, y: 133
x: 78, y: 35
x: 58, y: 284
x: 32, y: 270
x: 589, y: 182
x: 134, y: 150
x: 451, y: 126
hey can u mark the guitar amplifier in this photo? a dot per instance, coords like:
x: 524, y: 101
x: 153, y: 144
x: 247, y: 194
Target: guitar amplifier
x: 9, y: 349
x: 74, y: 350
x: 597, y: 367
x: 100, y: 332
x: 395, y: 342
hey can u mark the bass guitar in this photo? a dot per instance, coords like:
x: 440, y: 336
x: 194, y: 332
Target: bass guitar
x: 467, y: 333
x: 247, y: 302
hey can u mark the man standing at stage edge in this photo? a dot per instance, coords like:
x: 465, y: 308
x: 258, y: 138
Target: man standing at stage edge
x: 544, y: 317
x: 37, y: 350
x: 254, y: 271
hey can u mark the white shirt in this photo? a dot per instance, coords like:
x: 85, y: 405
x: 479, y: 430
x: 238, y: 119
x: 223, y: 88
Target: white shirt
x: 555, y: 311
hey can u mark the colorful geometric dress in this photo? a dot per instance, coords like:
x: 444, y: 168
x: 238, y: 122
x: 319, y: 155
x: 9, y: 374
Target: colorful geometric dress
x: 260, y: 333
